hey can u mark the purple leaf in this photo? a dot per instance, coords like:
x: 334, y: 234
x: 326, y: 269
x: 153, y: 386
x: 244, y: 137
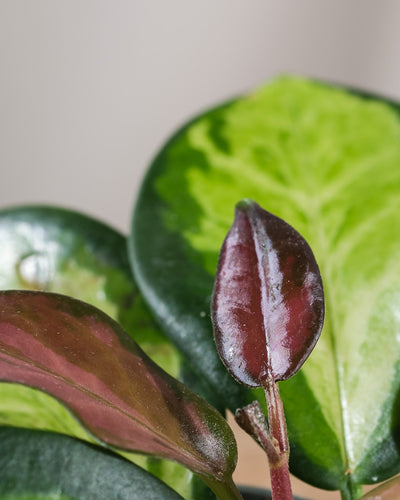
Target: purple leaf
x: 79, y: 355
x: 268, y: 303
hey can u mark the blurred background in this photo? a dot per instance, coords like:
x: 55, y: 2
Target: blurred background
x: 89, y: 90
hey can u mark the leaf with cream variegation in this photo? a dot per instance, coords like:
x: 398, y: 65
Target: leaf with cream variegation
x: 326, y: 160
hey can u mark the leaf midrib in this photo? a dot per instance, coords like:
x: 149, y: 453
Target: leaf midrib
x: 68, y: 381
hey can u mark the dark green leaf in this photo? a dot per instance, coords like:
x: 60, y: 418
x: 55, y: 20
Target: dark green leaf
x: 43, y: 465
x: 57, y: 250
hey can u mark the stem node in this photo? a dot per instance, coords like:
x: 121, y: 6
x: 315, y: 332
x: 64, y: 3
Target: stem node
x: 272, y: 436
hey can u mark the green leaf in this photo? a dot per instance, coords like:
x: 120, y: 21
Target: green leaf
x: 57, y: 250
x: 79, y: 355
x: 23, y: 406
x: 326, y: 160
x: 63, y: 251
x: 39, y: 465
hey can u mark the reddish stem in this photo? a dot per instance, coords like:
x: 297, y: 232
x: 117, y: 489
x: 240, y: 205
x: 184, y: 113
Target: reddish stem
x: 272, y: 436
x: 276, y: 416
x: 280, y: 482
x: 279, y: 471
x: 252, y: 420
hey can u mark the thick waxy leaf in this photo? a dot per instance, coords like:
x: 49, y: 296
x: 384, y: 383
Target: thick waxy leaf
x: 81, y: 356
x: 268, y: 302
x: 42, y: 465
x: 326, y: 161
x: 31, y: 408
x: 58, y: 250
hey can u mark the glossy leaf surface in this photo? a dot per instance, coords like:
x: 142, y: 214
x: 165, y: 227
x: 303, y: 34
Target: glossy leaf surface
x: 58, y: 250
x: 326, y: 161
x: 268, y: 302
x: 79, y: 355
x: 43, y: 465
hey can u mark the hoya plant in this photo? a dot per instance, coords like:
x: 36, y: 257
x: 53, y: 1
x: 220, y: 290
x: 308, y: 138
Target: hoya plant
x: 119, y: 356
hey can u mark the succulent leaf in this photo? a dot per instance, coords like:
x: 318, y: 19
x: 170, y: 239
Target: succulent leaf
x: 326, y: 160
x: 268, y: 302
x: 36, y: 464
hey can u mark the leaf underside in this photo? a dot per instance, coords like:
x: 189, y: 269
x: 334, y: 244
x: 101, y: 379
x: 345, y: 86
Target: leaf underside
x: 268, y: 304
x: 81, y: 356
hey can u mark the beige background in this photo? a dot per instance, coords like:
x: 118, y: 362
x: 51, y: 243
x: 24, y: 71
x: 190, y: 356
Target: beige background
x: 89, y: 89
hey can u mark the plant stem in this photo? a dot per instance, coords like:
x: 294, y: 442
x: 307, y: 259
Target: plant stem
x: 279, y: 471
x: 276, y: 416
x: 350, y: 490
x: 224, y: 490
x: 280, y: 481
x: 272, y: 437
